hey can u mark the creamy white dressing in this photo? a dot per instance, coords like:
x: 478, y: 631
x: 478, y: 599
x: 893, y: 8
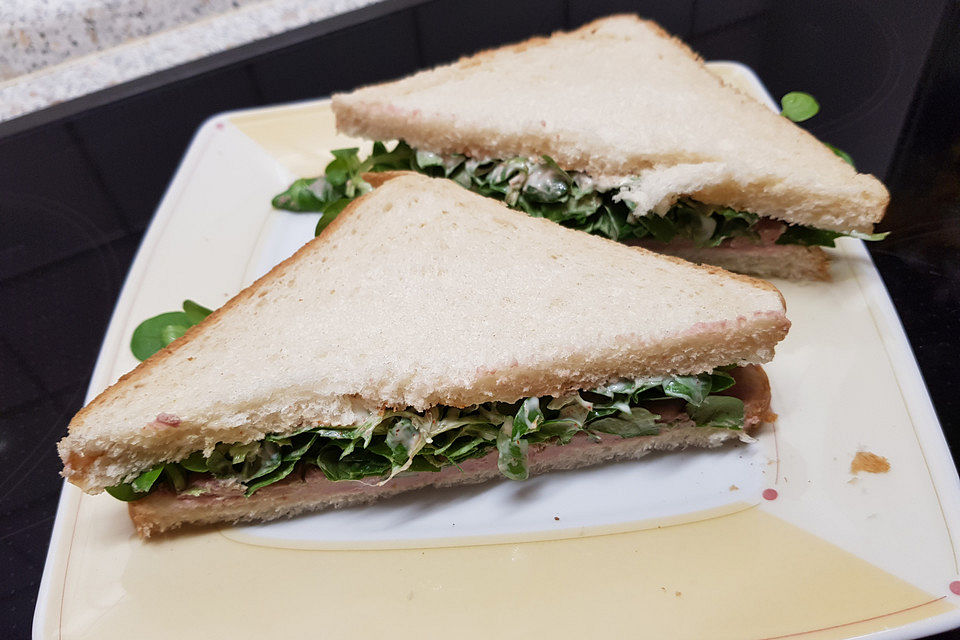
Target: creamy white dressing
x: 652, y: 191
x: 546, y: 179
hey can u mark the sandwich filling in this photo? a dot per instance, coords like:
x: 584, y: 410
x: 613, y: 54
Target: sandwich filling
x: 396, y: 442
x: 604, y: 206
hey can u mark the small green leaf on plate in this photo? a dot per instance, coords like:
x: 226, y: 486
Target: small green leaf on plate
x: 157, y: 332
x: 302, y: 195
x: 799, y: 106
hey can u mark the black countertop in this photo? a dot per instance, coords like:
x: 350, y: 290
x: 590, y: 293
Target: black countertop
x: 79, y: 183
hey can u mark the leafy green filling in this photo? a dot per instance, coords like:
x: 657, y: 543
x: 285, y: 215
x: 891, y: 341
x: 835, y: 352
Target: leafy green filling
x: 408, y: 441
x: 541, y: 189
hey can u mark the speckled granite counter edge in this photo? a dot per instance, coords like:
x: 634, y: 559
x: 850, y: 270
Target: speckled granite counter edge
x: 93, y: 72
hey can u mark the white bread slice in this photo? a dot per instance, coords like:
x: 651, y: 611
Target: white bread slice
x: 620, y: 97
x: 766, y: 260
x: 421, y: 293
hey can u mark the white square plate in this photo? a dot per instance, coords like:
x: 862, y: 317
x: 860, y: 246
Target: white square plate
x: 771, y: 540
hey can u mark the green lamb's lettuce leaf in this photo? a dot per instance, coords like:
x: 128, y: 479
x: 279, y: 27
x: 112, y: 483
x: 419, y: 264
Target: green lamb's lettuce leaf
x: 718, y: 411
x: 539, y: 188
x: 512, y: 444
x: 144, y: 482
x: 563, y: 428
x: 527, y: 419
x: 693, y: 389
x: 238, y: 452
x: 403, y: 440
x: 195, y: 312
x: 330, y: 211
x: 344, y: 166
x: 406, y: 441
x: 426, y: 159
x: 843, y: 154
x: 262, y: 462
x: 276, y: 475
x: 153, y: 334
x: 342, y: 181
x: 218, y: 463
x: 810, y: 236
x: 305, y: 444
x: 176, y: 476
x: 638, y: 422
x: 137, y: 488
x: 351, y: 467
x: 720, y: 380
x: 799, y: 106
x: 512, y: 456
x: 547, y: 183
x: 305, y: 194
x: 195, y: 462
x: 869, y: 237
x: 124, y: 492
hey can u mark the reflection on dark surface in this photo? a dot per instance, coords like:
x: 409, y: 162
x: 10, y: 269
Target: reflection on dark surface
x: 79, y: 183
x: 920, y: 262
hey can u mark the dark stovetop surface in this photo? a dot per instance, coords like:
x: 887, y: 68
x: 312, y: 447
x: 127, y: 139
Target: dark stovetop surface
x: 80, y: 181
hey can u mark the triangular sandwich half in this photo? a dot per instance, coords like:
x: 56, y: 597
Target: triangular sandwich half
x: 429, y: 336
x: 618, y: 129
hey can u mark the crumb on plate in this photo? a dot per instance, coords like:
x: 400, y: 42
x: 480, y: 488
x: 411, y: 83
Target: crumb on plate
x: 869, y: 462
